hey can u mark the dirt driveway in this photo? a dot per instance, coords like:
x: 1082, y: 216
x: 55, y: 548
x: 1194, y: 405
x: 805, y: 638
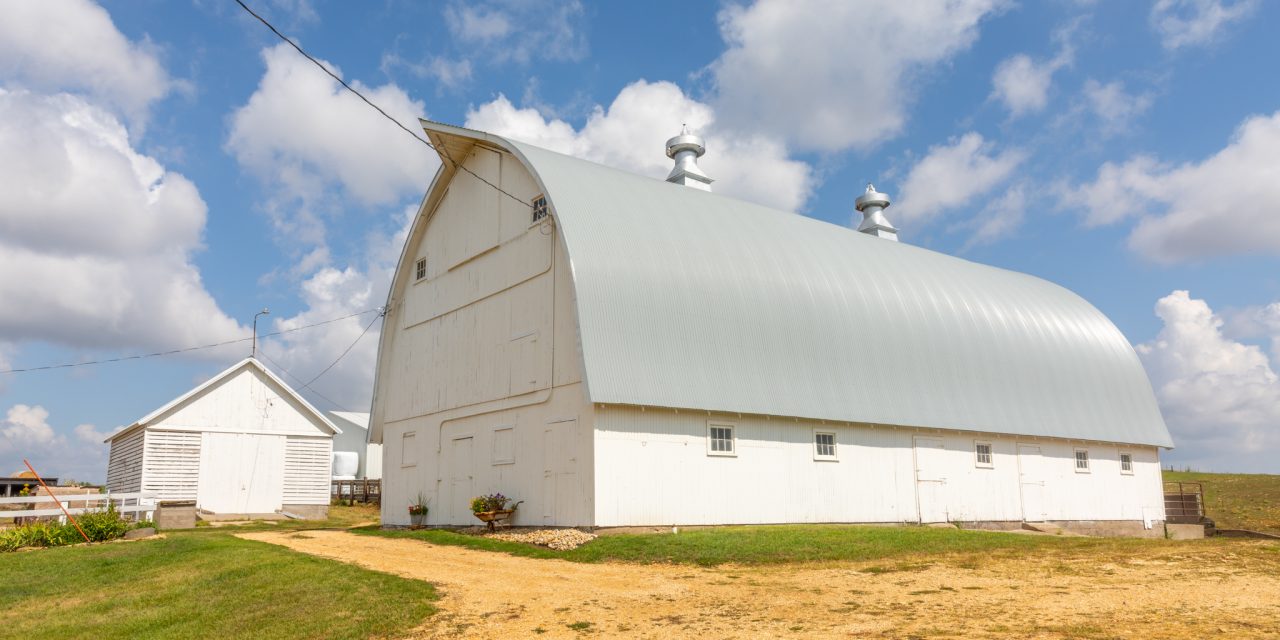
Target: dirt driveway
x: 1161, y: 594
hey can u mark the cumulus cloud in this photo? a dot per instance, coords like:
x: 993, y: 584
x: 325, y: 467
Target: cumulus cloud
x: 630, y: 133
x: 955, y: 174
x: 74, y: 46
x: 1220, y: 397
x: 829, y: 75
x: 1114, y: 107
x: 450, y: 74
x: 1184, y: 23
x: 95, y: 238
x: 311, y: 141
x: 520, y: 31
x: 25, y: 432
x: 1222, y: 205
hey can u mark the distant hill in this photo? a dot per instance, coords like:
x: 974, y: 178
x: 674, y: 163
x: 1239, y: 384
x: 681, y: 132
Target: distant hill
x: 1237, y: 500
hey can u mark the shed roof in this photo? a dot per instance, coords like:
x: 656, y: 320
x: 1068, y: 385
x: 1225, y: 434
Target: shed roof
x: 695, y: 300
x: 227, y: 373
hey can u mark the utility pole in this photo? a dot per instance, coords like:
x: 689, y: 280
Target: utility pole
x: 265, y: 311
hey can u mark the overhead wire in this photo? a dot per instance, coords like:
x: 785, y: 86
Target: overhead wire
x: 441, y: 149
x: 345, y: 351
x: 156, y: 354
x: 297, y: 379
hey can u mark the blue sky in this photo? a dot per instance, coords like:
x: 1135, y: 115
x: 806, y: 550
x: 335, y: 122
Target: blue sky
x: 168, y: 169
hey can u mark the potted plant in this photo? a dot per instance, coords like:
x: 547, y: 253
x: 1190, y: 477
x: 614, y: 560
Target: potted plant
x: 492, y: 508
x: 418, y: 512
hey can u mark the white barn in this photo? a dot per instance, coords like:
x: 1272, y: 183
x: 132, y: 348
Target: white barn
x: 628, y: 351
x: 354, y: 440
x: 242, y: 443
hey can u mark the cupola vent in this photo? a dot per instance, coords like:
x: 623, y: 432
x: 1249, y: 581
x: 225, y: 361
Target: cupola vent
x: 685, y: 149
x: 872, y: 205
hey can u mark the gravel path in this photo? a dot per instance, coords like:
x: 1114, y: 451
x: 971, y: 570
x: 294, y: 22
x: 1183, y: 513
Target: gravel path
x: 1159, y: 594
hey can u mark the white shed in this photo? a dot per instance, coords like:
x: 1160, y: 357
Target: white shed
x: 241, y: 443
x: 617, y: 350
x: 354, y: 439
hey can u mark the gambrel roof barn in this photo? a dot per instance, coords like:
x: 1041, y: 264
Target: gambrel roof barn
x: 706, y: 349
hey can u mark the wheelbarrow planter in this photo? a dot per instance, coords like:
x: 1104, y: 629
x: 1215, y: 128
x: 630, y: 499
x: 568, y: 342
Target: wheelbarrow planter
x: 492, y: 518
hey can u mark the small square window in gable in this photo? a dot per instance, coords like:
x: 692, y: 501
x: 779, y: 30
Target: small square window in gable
x: 720, y: 441
x: 1082, y: 461
x: 824, y: 445
x: 540, y: 209
x: 982, y: 455
x: 1126, y: 463
x: 420, y: 269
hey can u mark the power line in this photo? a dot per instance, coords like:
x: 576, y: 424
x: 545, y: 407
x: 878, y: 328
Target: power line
x: 184, y: 350
x: 348, y: 87
x: 345, y: 351
x: 296, y: 378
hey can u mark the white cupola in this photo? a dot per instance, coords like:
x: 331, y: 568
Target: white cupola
x: 685, y: 149
x: 872, y: 205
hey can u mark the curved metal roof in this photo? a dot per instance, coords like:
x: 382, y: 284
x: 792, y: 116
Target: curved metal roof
x: 694, y: 300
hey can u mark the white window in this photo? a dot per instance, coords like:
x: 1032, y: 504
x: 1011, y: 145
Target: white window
x: 720, y: 440
x: 824, y: 445
x: 421, y: 269
x: 1126, y: 463
x: 409, y: 449
x: 504, y: 444
x: 539, y: 208
x: 982, y: 455
x: 1082, y: 461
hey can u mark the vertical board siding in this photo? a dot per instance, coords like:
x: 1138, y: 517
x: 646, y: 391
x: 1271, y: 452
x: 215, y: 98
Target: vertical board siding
x: 124, y: 465
x: 306, y: 470
x: 172, y: 469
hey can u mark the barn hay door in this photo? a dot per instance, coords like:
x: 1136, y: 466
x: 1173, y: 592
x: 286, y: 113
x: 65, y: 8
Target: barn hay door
x: 931, y: 481
x: 461, y: 480
x: 1031, y: 482
x: 241, y: 473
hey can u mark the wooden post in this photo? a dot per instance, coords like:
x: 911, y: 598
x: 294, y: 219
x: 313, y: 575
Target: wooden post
x: 55, y: 499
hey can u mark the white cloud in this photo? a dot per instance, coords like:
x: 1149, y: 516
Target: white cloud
x: 998, y: 219
x: 631, y: 132
x: 96, y: 238
x: 74, y: 46
x: 302, y: 134
x: 954, y: 175
x: 25, y: 432
x: 1220, y: 398
x: 1222, y: 205
x: 450, y: 74
x: 90, y: 434
x: 520, y: 31
x: 830, y: 74
x: 1183, y: 23
x: 1022, y: 83
x: 1113, y: 106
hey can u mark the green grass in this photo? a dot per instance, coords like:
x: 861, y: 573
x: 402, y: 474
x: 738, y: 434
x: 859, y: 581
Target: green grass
x: 773, y: 544
x: 201, y: 584
x: 1237, y: 500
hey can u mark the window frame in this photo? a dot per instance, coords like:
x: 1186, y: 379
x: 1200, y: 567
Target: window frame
x: 1075, y: 460
x: 834, y: 456
x: 494, y: 460
x: 733, y: 438
x: 545, y: 209
x: 420, y: 269
x: 407, y: 439
x: 977, y: 456
x: 1123, y: 471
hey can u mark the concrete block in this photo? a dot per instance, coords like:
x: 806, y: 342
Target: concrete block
x: 176, y: 514
x: 1184, y: 531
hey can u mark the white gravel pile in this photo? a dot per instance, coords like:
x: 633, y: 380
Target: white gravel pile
x: 558, y: 539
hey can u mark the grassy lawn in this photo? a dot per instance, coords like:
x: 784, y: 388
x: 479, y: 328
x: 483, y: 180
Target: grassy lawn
x: 201, y: 584
x: 1238, y: 500
x: 777, y: 544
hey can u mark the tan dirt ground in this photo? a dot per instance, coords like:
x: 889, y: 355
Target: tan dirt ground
x: 1161, y: 593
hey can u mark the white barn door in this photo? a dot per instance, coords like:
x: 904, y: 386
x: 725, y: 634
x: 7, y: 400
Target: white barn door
x: 561, y: 496
x: 931, y: 481
x: 241, y: 473
x: 1031, y: 482
x: 461, y: 480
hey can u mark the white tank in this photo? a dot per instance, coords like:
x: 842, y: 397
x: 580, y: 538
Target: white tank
x: 345, y: 465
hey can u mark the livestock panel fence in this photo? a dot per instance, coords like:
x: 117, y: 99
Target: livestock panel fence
x: 359, y: 490
x: 1184, y: 502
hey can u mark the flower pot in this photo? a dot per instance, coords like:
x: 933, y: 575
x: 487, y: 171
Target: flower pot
x: 417, y: 520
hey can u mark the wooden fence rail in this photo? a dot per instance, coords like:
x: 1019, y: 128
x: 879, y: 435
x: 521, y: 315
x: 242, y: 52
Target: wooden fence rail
x: 143, y: 505
x: 365, y: 491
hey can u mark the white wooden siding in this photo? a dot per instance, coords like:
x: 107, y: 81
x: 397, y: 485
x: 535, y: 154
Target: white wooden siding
x: 306, y: 470
x: 248, y: 401
x: 124, y: 465
x: 172, y: 464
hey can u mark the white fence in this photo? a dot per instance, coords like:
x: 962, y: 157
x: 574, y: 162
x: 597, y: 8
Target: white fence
x: 143, y: 505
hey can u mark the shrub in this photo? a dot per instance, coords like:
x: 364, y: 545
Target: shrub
x: 103, y: 525
x: 143, y: 524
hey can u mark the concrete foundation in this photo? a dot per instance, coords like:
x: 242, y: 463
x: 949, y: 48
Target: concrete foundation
x: 308, y: 511
x: 171, y: 514
x: 1184, y: 531
x: 1095, y: 528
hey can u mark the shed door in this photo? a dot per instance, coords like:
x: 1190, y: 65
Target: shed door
x: 1031, y: 482
x: 241, y: 473
x: 931, y: 482
x: 562, y: 501
x: 461, y: 480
